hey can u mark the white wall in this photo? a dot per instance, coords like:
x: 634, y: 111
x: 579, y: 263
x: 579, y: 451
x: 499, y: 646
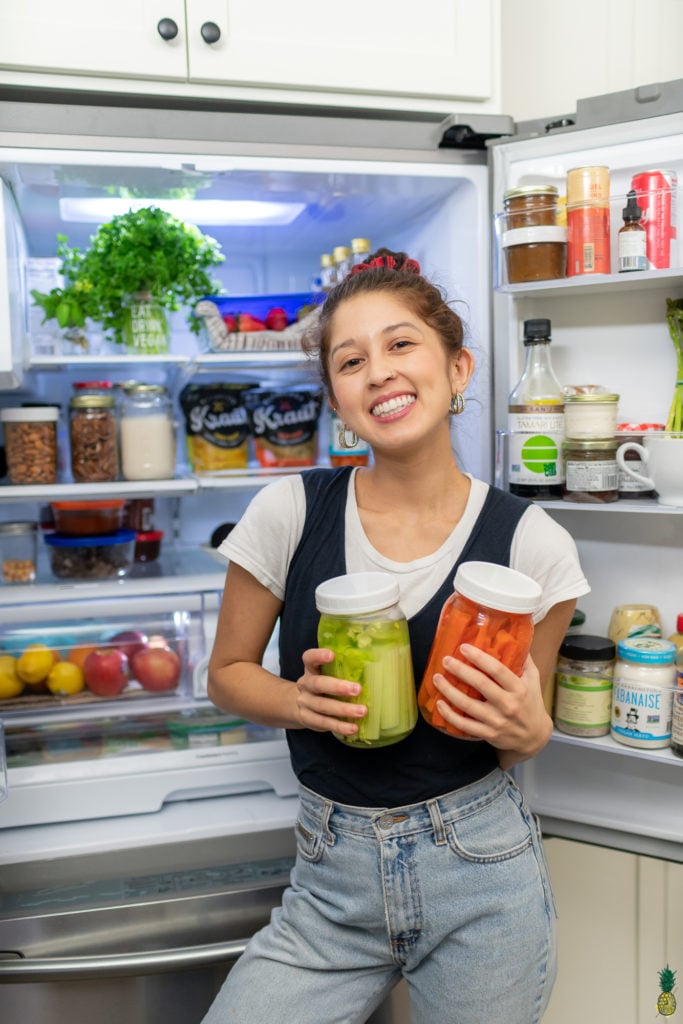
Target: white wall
x: 555, y: 53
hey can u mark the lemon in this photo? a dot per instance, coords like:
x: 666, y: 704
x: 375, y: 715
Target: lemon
x: 65, y: 678
x: 10, y: 683
x: 35, y: 663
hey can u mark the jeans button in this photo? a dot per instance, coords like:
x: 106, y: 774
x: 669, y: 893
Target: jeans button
x: 385, y: 820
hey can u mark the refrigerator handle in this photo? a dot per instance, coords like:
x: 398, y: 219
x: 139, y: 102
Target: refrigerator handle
x: 158, y: 961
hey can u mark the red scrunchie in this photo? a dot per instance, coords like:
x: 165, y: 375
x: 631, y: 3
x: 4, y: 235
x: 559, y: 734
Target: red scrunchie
x: 409, y: 266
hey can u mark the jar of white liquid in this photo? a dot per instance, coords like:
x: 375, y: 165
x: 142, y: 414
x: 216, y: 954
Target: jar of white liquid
x: 148, y: 442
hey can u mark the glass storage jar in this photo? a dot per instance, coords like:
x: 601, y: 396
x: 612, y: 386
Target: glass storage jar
x: 93, y: 437
x: 31, y: 443
x: 591, y: 471
x: 583, y: 698
x: 18, y: 551
x: 148, y: 441
x: 643, y: 692
x: 492, y: 608
x: 590, y: 416
x: 361, y: 621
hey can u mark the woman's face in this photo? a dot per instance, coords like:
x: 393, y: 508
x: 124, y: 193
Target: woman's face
x: 391, y: 376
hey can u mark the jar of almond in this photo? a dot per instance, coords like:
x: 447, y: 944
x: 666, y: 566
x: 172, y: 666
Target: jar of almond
x: 31, y: 443
x: 93, y: 438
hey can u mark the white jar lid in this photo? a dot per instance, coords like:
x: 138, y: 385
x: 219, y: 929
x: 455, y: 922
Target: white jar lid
x: 497, y: 586
x: 540, y: 233
x: 356, y: 593
x: 30, y: 414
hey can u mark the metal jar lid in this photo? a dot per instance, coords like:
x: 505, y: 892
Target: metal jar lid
x: 530, y: 190
x: 591, y: 444
x: 145, y: 389
x: 591, y: 399
x: 92, y: 402
x: 22, y: 526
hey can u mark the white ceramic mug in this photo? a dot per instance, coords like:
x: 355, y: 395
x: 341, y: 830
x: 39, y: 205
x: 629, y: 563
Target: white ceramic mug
x: 662, y: 456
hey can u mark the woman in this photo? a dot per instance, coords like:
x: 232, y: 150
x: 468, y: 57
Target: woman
x: 417, y: 859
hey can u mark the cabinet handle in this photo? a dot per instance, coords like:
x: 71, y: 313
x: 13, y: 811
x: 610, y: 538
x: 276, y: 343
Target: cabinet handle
x: 167, y: 29
x: 210, y: 32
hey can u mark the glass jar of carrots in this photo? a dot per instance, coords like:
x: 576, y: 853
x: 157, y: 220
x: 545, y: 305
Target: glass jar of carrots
x: 491, y: 608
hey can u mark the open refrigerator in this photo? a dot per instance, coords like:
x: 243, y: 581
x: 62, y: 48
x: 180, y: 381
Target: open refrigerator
x: 145, y: 774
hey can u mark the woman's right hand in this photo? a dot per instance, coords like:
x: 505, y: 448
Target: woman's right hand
x: 323, y: 703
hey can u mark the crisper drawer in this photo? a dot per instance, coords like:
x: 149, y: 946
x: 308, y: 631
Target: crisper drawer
x: 109, y: 715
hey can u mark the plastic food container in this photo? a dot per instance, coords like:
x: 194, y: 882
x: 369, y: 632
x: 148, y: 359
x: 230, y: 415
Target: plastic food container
x: 31, y: 443
x: 492, y: 609
x: 18, y: 550
x: 148, y: 546
x: 107, y: 556
x: 535, y: 253
x: 87, y: 518
x: 361, y: 621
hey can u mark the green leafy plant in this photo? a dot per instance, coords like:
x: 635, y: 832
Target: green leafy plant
x: 674, y: 319
x: 144, y: 252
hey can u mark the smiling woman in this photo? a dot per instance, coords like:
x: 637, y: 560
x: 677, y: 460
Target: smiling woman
x: 387, y: 835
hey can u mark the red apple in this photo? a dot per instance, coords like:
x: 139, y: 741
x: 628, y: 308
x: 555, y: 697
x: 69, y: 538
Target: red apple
x: 106, y: 671
x: 157, y: 668
x: 130, y: 641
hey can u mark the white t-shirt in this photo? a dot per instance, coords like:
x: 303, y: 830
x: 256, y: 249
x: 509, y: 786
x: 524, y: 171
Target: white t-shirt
x: 266, y: 537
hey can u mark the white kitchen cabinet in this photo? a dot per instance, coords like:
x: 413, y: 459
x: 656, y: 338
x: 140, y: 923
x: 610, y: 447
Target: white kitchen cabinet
x: 441, y: 50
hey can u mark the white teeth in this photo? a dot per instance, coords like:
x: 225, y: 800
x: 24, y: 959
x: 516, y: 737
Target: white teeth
x: 392, y: 405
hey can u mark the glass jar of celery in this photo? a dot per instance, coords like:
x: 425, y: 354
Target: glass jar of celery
x: 361, y: 621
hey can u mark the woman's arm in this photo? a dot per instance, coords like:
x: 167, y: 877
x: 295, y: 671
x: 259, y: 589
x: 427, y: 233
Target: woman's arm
x: 512, y: 717
x: 238, y: 683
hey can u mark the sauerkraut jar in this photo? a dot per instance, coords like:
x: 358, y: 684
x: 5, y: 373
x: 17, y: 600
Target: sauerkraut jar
x: 491, y: 608
x: 361, y: 621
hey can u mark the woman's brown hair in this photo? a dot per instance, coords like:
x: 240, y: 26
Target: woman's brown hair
x: 387, y: 271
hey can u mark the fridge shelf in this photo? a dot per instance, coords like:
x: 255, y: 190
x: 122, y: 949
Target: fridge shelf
x: 595, y: 284
x: 12, y: 493
x: 607, y: 744
x: 645, y: 506
x: 207, y: 361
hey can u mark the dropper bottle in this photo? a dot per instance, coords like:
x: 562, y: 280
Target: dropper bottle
x: 632, y: 239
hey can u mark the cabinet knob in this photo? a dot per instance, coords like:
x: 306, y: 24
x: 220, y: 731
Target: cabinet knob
x: 167, y: 29
x: 210, y: 32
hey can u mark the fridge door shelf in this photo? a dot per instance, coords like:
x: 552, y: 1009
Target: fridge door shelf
x: 596, y: 284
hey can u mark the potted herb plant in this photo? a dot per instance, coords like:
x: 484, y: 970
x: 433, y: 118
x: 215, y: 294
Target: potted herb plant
x: 139, y: 265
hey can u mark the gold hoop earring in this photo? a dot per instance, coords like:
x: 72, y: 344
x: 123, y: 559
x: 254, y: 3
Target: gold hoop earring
x: 457, y: 404
x: 342, y: 439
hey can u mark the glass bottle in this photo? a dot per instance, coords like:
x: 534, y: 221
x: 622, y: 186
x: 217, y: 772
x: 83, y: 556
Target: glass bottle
x: 361, y: 621
x: 341, y: 255
x: 360, y: 250
x: 148, y: 442
x: 536, y: 421
x: 632, y: 238
x: 328, y: 274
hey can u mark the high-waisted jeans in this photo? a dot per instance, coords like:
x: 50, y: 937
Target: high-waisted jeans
x: 452, y: 894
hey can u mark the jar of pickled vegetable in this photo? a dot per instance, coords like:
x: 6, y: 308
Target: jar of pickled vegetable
x: 491, y: 608
x: 361, y: 621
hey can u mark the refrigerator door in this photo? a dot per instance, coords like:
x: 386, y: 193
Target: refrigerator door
x: 609, y: 330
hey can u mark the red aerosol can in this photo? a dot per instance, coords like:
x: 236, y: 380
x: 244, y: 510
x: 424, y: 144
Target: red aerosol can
x: 656, y: 196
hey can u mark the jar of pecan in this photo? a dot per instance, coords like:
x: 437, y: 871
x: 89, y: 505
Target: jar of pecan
x: 31, y: 443
x: 94, y: 441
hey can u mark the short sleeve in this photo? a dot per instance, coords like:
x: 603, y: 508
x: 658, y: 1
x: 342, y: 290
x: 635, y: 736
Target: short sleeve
x: 266, y: 537
x: 544, y: 550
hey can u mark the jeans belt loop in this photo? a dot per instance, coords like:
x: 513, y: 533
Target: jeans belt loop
x: 437, y: 822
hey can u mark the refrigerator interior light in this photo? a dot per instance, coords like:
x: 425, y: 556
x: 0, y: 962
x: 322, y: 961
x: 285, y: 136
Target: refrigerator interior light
x: 228, y: 212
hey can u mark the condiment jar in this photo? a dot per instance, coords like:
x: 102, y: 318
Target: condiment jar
x: 634, y: 620
x: 592, y: 415
x: 491, y: 608
x: 643, y: 692
x: 93, y: 387
x: 31, y: 443
x: 148, y: 440
x: 361, y: 621
x: 583, y: 698
x: 590, y: 469
x: 18, y: 551
x: 93, y: 437
x: 530, y: 206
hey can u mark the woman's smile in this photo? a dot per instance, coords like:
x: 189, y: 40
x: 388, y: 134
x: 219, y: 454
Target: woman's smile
x: 392, y: 406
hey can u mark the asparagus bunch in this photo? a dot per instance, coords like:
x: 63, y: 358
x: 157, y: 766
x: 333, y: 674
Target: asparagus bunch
x: 674, y: 319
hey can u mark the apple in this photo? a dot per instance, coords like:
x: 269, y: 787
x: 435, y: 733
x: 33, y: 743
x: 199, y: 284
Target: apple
x: 130, y: 641
x: 156, y: 668
x: 106, y: 671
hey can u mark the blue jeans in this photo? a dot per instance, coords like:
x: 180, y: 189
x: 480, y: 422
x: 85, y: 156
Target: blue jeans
x: 452, y: 894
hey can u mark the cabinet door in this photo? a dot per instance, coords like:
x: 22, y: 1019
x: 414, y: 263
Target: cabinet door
x: 121, y: 39
x: 389, y: 46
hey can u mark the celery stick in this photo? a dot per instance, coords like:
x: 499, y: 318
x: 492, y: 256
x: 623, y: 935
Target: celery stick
x: 373, y: 683
x: 390, y: 712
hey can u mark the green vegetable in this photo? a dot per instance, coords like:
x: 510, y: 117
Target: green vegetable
x: 376, y: 655
x: 674, y: 319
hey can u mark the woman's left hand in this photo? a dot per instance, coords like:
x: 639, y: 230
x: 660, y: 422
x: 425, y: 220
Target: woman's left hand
x: 511, y: 716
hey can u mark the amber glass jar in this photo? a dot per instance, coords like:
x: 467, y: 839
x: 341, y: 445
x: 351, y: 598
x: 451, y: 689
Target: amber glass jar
x: 530, y: 206
x: 93, y: 437
x: 591, y: 471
